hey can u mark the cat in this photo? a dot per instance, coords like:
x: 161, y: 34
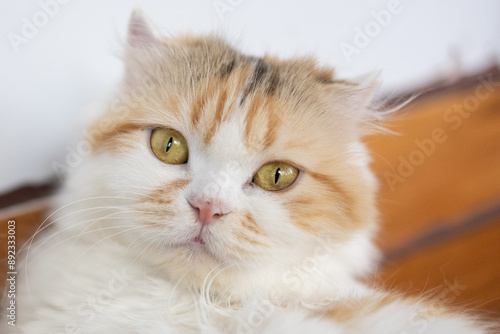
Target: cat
x: 224, y: 194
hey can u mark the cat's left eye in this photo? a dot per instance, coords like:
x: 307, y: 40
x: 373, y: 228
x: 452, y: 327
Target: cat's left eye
x: 276, y: 176
x: 169, y: 146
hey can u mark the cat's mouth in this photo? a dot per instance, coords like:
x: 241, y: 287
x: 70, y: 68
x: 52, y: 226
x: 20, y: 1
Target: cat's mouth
x: 198, y: 240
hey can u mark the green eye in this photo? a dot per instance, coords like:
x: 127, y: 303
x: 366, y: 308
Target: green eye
x: 169, y: 146
x: 276, y: 176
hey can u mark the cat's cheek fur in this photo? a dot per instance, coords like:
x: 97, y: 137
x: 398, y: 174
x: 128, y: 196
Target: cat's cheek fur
x: 282, y: 247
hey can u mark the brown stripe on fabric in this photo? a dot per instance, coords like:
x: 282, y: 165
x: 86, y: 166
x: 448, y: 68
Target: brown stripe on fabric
x: 28, y: 193
x: 469, y: 223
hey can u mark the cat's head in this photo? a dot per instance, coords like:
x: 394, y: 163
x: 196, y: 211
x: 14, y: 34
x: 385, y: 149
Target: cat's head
x: 232, y: 164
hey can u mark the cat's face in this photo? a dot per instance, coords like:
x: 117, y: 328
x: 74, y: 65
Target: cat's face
x: 205, y: 193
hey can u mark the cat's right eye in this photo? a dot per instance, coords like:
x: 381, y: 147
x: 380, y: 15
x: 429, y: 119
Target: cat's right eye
x: 169, y: 146
x: 276, y: 176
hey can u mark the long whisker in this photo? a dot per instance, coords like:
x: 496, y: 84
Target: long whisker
x: 43, y: 225
x: 143, y: 241
x: 108, y: 216
x: 102, y: 240
x: 80, y: 234
x: 26, y: 259
x: 31, y: 245
x: 46, y: 226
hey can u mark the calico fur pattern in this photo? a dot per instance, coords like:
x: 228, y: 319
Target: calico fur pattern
x: 118, y: 255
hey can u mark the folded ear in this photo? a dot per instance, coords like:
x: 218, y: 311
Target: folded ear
x: 141, y: 31
x: 353, y: 102
x: 143, y: 38
x: 363, y: 90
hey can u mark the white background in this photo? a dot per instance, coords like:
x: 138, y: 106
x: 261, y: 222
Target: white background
x: 73, y: 61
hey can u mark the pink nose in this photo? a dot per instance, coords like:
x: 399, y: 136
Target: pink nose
x: 206, y: 210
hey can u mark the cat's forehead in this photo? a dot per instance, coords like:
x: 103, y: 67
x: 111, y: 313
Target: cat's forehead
x: 229, y: 111
x: 261, y: 97
x: 219, y: 97
x: 209, y: 57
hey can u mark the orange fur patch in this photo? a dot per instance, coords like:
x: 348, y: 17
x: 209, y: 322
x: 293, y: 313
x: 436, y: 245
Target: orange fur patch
x: 263, y: 119
x: 352, y: 309
x: 166, y: 194
x: 249, y: 223
x: 197, y: 108
x: 100, y: 136
x: 219, y: 110
x: 248, y: 239
x: 321, y: 207
x: 348, y: 310
x: 157, y: 205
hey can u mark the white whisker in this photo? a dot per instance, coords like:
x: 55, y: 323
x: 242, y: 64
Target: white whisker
x: 104, y: 239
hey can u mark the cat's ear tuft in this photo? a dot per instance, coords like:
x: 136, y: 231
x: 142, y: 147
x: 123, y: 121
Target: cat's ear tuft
x: 143, y: 37
x: 141, y: 31
x: 355, y: 100
x: 366, y: 87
